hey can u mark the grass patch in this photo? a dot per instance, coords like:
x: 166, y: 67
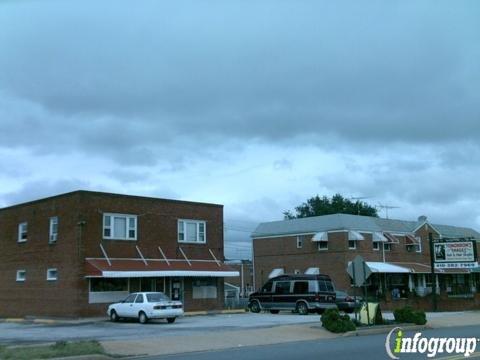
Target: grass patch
x: 59, y: 349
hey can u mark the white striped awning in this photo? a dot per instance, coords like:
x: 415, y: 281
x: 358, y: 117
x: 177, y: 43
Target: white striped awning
x: 355, y: 235
x: 379, y: 237
x: 276, y: 272
x: 320, y: 236
x: 388, y: 268
x: 312, y: 271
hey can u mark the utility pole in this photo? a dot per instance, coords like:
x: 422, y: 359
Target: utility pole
x: 432, y: 272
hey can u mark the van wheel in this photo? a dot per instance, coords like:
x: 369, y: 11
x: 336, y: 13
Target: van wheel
x: 302, y: 308
x: 142, y: 318
x: 113, y: 316
x: 255, y: 307
x: 274, y: 311
x: 171, y: 320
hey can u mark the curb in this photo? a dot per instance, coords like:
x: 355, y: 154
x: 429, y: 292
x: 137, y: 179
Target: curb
x: 384, y: 329
x: 47, y: 321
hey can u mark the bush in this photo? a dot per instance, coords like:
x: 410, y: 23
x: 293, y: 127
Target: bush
x: 409, y: 315
x: 336, y: 323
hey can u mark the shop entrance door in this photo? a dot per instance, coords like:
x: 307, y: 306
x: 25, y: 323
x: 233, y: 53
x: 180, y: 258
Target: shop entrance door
x: 176, y: 289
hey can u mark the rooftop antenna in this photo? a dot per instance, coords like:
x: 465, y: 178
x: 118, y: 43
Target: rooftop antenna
x: 357, y: 200
x: 386, y: 208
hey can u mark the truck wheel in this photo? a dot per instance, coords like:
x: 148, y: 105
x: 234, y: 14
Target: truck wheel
x: 302, y: 308
x: 255, y: 307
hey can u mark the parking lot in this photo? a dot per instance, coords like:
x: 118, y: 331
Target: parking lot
x: 105, y: 330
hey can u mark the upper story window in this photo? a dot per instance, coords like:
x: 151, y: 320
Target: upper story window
x: 21, y: 275
x: 352, y: 244
x: 191, y: 231
x: 53, y: 232
x: 387, y: 246
x: 376, y: 245
x: 322, y: 245
x: 22, y: 232
x: 299, y: 242
x: 119, y: 227
x: 52, y: 274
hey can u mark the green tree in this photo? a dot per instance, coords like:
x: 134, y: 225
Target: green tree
x: 317, y: 205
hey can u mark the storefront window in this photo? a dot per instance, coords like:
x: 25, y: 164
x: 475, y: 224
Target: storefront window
x: 97, y: 285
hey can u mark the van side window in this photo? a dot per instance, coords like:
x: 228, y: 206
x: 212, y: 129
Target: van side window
x: 282, y: 287
x: 267, y: 287
x: 300, y: 287
x: 321, y: 285
x: 329, y: 285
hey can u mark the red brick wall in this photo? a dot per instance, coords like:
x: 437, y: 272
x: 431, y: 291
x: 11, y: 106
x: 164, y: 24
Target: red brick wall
x: 68, y: 296
x: 278, y: 252
x: 37, y: 295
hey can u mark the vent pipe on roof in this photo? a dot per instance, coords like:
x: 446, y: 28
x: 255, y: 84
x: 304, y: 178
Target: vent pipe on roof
x: 422, y: 218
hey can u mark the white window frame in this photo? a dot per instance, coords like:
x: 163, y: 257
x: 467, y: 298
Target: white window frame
x: 112, y: 226
x: 52, y: 236
x: 21, y: 275
x: 389, y: 248
x: 355, y: 245
x: 181, y: 223
x: 322, y: 248
x: 419, y: 245
x: 299, y: 242
x: 52, y: 278
x: 20, y: 232
x: 377, y: 243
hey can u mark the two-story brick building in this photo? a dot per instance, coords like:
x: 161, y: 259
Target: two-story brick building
x: 72, y: 254
x: 397, y: 252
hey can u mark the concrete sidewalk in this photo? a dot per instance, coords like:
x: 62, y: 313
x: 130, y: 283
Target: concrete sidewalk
x: 216, y: 341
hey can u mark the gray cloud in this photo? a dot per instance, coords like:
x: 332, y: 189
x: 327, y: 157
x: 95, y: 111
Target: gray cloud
x: 42, y: 188
x: 255, y: 104
x: 395, y: 73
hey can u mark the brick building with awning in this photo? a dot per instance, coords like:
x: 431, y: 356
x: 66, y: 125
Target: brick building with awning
x: 73, y: 254
x: 396, y: 251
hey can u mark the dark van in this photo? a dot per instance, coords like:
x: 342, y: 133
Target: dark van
x: 301, y: 293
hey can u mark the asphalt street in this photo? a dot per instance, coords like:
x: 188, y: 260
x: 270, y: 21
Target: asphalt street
x: 17, y: 333
x: 370, y: 347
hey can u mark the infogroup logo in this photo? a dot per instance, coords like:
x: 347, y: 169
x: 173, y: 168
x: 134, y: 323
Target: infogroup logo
x: 429, y: 346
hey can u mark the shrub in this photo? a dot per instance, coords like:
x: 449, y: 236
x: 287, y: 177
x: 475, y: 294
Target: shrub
x: 410, y: 315
x: 336, y: 323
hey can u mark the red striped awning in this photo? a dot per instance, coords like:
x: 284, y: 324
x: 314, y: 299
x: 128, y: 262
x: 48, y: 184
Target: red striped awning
x: 123, y: 268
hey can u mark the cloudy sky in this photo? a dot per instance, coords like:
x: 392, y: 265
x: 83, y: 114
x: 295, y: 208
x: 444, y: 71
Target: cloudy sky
x: 257, y: 105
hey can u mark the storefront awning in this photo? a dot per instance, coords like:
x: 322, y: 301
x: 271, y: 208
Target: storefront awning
x: 130, y: 268
x: 386, y: 268
x: 417, y: 268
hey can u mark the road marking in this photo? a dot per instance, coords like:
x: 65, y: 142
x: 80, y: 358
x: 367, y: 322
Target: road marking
x: 458, y: 357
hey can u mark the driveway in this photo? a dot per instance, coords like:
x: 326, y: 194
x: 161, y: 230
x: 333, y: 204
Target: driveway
x: 105, y: 330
